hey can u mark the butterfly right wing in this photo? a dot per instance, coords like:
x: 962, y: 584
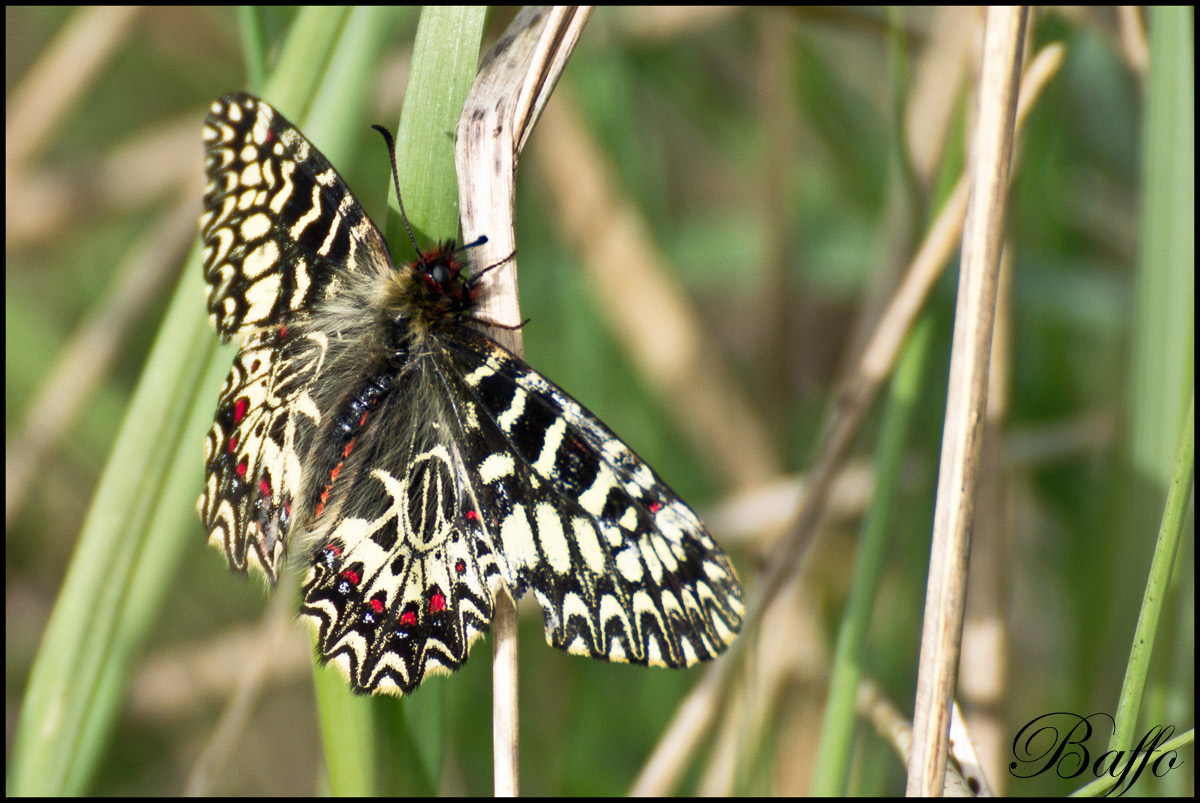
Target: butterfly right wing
x: 622, y: 568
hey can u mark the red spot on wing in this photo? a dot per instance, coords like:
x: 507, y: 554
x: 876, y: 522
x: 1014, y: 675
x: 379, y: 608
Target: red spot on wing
x: 351, y: 576
x: 376, y: 605
x: 327, y: 557
x: 437, y: 602
x: 408, y: 618
x: 239, y: 409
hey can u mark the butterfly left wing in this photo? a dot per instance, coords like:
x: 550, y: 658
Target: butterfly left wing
x: 282, y: 232
x: 252, y: 452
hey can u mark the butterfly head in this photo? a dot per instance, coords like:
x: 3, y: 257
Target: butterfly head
x: 431, y: 292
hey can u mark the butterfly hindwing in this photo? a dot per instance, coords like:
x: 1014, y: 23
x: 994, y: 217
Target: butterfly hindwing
x: 404, y: 574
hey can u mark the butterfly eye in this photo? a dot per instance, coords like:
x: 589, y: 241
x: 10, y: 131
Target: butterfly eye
x: 439, y: 274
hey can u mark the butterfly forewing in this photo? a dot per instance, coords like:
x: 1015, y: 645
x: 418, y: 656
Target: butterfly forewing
x: 280, y: 227
x: 416, y: 466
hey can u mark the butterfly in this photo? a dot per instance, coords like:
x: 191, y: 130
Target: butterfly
x: 371, y: 429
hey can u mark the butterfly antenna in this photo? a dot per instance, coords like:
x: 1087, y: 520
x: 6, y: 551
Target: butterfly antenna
x: 478, y: 241
x: 391, y: 147
x: 476, y: 278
